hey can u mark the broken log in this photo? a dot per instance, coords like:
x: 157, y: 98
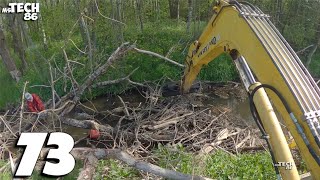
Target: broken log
x: 89, y: 168
x: 92, y: 155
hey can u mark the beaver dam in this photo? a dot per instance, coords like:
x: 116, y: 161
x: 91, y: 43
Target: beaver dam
x: 218, y: 117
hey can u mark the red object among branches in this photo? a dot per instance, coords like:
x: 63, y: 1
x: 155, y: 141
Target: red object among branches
x: 94, y: 134
x: 36, y: 105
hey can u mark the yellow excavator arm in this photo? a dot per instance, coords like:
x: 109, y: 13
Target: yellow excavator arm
x: 270, y: 71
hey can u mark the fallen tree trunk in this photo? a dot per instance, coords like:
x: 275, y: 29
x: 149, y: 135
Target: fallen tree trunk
x: 89, y: 168
x: 88, y: 124
x: 107, y: 131
x: 91, y: 156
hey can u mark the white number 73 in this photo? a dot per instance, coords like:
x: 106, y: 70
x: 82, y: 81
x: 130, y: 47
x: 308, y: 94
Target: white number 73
x: 33, y: 143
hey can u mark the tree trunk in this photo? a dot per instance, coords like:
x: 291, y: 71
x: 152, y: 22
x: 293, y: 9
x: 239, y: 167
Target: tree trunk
x: 314, y: 48
x: 309, y: 58
x: 7, y: 59
x: 194, y: 17
x: 17, y: 40
x: 26, y: 38
x: 81, y: 22
x: 198, y: 21
x: 157, y: 3
x: 118, y: 15
x: 155, y: 8
x: 135, y: 11
x: 178, y: 10
x: 140, y: 9
x: 112, y: 14
x: 189, y: 18
x: 113, y: 24
x: 44, y: 36
x: 278, y: 13
x: 88, y: 39
x: 173, y: 8
x: 94, y: 12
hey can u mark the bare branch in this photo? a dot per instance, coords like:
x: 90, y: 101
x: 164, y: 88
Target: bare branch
x: 304, y: 49
x: 73, y: 81
x: 159, y: 56
x: 127, y: 78
x: 76, y: 62
x: 6, y: 124
x: 46, y: 86
x: 90, y: 51
x: 70, y: 32
x: 125, y: 106
x: 52, y: 87
x: 77, y: 47
x: 22, y: 105
x: 136, y: 83
x: 108, y: 17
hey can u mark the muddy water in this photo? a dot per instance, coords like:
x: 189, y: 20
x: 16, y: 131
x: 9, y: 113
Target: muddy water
x: 239, y: 108
x: 103, y: 104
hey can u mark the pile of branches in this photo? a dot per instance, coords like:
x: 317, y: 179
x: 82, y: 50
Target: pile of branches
x: 179, y: 120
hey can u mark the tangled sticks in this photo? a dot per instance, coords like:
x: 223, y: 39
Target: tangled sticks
x: 177, y: 120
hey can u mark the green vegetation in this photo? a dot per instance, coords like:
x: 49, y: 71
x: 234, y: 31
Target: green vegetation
x: 37, y: 176
x: 4, y: 175
x: 113, y: 169
x: 243, y: 166
x: 219, y: 165
x: 315, y: 66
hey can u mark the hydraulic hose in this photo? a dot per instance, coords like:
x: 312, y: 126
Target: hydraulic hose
x: 288, y: 109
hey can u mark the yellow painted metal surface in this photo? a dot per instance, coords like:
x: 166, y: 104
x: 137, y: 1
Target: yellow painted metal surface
x: 272, y: 126
x: 229, y: 32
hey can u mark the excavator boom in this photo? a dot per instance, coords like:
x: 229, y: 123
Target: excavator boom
x: 263, y: 56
